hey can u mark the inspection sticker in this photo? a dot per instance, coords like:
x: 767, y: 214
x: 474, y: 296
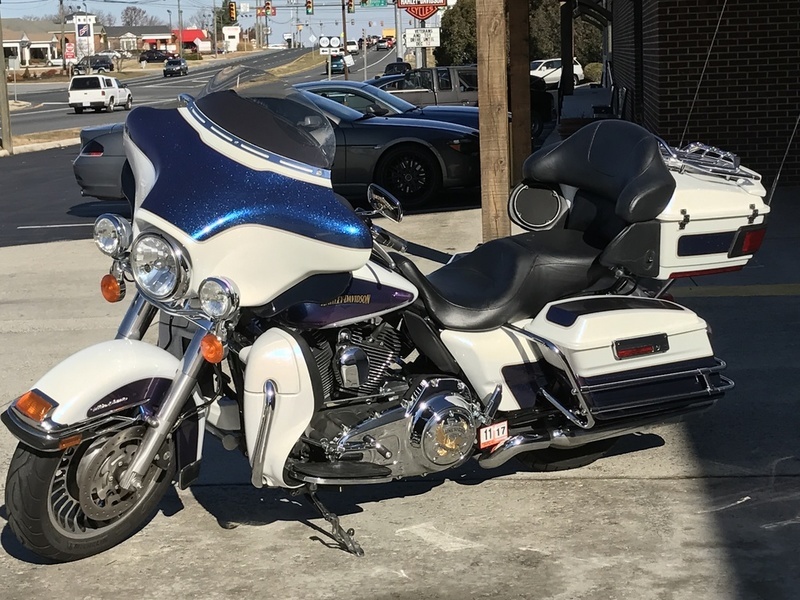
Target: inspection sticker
x: 493, y: 434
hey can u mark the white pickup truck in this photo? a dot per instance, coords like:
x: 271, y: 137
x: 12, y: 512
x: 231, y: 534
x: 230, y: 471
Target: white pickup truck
x: 98, y: 92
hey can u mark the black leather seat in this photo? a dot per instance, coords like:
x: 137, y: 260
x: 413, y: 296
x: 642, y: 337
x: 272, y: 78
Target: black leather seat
x: 505, y: 280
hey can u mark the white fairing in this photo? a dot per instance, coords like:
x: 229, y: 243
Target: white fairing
x: 144, y: 172
x: 706, y: 205
x: 277, y: 356
x: 262, y: 261
x: 482, y: 355
x: 588, y: 343
x: 87, y: 376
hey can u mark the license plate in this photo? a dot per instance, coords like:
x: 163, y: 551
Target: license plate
x: 493, y: 434
x: 87, y: 103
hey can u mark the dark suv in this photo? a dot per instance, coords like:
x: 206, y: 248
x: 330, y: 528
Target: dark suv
x: 175, y: 66
x: 153, y: 56
x: 93, y: 64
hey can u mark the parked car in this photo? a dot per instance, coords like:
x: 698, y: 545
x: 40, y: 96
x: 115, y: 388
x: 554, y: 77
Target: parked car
x: 98, y: 92
x: 549, y: 69
x: 352, y: 47
x: 175, y: 66
x: 412, y: 158
x: 112, y: 54
x: 367, y: 99
x: 383, y: 44
x: 96, y: 63
x: 153, y: 56
x: 59, y: 62
x: 338, y: 65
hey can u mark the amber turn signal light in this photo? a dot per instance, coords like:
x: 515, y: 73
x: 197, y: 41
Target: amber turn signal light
x: 211, y: 348
x: 33, y: 406
x: 112, y: 289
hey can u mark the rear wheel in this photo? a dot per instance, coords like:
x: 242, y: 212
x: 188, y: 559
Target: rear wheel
x: 78, y: 110
x: 557, y: 459
x: 411, y: 173
x: 128, y: 103
x: 110, y: 106
x: 68, y: 505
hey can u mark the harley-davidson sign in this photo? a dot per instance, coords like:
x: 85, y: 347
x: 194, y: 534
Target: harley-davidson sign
x: 421, y: 9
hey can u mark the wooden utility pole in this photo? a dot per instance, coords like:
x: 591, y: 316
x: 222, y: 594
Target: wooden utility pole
x: 493, y: 101
x: 519, y: 74
x: 5, y: 111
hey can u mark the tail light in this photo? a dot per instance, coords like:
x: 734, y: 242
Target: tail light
x: 642, y: 346
x: 748, y: 240
x: 93, y: 148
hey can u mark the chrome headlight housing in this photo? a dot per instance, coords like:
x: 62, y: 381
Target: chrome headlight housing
x: 219, y: 297
x: 159, y: 267
x: 113, y: 235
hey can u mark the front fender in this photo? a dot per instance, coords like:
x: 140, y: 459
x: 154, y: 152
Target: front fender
x: 90, y: 385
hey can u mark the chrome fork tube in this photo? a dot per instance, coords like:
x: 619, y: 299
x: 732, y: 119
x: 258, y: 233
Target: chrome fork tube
x: 161, y: 424
x: 138, y: 318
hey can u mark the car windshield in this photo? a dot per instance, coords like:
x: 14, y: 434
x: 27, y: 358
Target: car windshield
x: 536, y: 64
x: 339, y: 112
x: 174, y: 63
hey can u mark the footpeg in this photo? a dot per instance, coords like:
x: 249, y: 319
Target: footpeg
x: 344, y: 537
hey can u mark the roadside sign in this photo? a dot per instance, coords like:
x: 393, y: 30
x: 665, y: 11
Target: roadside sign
x: 323, y: 51
x: 349, y: 60
x: 427, y: 37
x: 421, y: 9
x: 244, y: 7
x: 374, y: 3
x: 324, y: 41
x: 312, y: 38
x: 336, y: 42
x: 69, y: 51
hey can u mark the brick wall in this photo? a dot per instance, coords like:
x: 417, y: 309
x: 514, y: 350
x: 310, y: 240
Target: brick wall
x: 748, y: 101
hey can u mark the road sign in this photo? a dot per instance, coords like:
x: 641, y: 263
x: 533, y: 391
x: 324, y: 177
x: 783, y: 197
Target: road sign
x: 324, y: 41
x: 421, y: 9
x: 312, y: 38
x: 69, y: 51
x: 427, y: 37
x: 335, y: 42
x: 377, y: 2
x: 244, y: 7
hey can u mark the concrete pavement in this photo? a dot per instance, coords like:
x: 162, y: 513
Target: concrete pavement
x: 708, y: 509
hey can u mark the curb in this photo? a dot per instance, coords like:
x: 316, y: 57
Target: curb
x: 42, y: 146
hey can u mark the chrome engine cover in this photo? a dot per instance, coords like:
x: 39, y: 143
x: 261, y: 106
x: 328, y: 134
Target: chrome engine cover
x: 433, y: 429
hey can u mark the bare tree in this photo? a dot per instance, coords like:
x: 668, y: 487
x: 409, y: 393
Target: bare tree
x: 105, y: 18
x: 134, y: 16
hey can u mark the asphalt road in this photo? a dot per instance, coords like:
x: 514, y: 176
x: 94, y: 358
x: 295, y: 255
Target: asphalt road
x: 49, y: 110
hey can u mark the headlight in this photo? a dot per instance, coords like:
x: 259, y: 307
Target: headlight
x: 160, y: 270
x: 112, y: 234
x: 219, y: 298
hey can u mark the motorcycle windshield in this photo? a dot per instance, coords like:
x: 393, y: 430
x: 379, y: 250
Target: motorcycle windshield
x: 248, y: 150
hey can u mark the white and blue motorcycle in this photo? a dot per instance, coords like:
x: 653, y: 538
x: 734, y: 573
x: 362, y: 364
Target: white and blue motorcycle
x: 289, y: 330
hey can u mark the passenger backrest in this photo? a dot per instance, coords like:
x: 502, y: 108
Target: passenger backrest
x: 618, y: 169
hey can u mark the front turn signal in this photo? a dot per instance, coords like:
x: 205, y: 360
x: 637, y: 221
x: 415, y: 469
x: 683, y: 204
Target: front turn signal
x: 113, y: 290
x: 212, y: 349
x: 34, y: 406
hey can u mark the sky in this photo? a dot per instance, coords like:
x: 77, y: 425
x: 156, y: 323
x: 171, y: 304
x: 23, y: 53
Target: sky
x: 326, y: 18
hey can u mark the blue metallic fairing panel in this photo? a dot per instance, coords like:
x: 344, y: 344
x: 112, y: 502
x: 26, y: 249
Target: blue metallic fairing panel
x: 203, y: 192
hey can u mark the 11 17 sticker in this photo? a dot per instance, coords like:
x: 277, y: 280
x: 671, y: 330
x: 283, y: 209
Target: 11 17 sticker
x: 493, y: 434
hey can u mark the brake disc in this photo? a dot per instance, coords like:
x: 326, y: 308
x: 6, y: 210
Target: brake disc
x: 100, y: 494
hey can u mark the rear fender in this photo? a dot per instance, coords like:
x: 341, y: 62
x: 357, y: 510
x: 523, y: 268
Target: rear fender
x: 89, y: 387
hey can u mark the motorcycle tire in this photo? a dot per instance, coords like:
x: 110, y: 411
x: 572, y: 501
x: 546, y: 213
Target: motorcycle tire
x: 557, y: 459
x: 411, y: 173
x: 47, y: 517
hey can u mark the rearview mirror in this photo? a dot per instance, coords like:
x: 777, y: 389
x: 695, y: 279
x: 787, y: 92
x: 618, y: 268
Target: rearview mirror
x: 383, y: 203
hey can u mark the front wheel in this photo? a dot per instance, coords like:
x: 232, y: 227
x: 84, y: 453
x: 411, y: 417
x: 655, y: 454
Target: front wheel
x: 412, y: 174
x: 68, y: 505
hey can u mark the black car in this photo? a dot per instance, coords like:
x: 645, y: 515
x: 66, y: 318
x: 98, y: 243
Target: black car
x: 397, y: 68
x: 338, y: 65
x: 97, y: 63
x: 175, y: 66
x: 153, y: 56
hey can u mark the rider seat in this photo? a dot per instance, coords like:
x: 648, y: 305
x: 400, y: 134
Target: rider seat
x: 621, y: 180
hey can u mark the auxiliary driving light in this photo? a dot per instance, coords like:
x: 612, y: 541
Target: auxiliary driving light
x: 219, y: 298
x: 112, y: 234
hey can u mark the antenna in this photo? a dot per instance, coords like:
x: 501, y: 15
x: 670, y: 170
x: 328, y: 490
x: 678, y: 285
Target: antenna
x: 702, y: 74
x: 785, y: 155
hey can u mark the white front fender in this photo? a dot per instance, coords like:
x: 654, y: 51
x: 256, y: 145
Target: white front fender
x: 104, y: 378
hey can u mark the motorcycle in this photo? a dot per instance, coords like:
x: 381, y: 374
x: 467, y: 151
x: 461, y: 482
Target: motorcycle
x: 297, y: 330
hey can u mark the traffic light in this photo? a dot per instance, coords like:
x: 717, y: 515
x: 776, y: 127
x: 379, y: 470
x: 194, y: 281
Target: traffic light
x: 232, y: 11
x: 351, y: 6
x: 268, y: 7
x: 309, y: 7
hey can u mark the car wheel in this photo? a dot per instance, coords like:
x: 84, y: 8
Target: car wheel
x: 110, y: 106
x: 411, y: 173
x: 101, y: 70
x: 78, y: 110
x: 129, y: 103
x: 537, y: 125
x: 575, y: 79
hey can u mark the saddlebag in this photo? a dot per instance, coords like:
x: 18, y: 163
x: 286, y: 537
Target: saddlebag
x: 628, y: 355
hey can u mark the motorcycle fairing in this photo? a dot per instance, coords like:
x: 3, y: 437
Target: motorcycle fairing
x: 208, y: 181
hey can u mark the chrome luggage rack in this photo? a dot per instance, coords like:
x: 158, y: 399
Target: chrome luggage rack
x: 705, y: 160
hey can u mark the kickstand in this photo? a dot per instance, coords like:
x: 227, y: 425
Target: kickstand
x: 344, y: 537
